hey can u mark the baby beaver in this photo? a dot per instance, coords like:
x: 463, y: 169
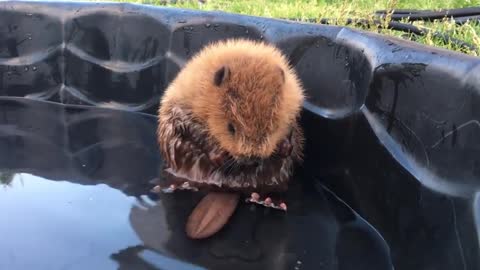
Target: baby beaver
x: 229, y: 122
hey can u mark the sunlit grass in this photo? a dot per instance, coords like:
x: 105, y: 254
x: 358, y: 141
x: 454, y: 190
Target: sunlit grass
x: 316, y: 9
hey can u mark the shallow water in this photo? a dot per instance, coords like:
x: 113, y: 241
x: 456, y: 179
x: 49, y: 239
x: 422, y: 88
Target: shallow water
x: 75, y: 196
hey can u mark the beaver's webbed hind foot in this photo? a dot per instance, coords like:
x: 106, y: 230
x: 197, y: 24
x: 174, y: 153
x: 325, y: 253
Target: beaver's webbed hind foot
x: 268, y: 200
x: 172, y: 184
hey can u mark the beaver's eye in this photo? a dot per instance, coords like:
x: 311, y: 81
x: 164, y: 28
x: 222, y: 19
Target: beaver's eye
x: 231, y: 129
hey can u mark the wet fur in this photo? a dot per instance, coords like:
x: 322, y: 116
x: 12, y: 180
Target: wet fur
x: 257, y: 92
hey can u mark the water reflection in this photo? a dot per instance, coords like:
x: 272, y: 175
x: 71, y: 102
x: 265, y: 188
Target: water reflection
x: 77, y: 199
x: 51, y: 224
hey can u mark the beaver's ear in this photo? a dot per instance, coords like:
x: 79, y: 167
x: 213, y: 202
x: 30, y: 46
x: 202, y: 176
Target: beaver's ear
x: 221, y: 75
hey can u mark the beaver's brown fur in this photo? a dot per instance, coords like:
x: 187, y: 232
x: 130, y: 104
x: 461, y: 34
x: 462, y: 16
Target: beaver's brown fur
x: 234, y: 102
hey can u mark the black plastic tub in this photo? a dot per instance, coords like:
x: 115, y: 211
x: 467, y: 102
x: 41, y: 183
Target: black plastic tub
x: 390, y: 181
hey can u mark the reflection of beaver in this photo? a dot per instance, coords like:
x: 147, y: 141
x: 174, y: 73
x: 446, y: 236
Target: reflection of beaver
x: 229, y: 121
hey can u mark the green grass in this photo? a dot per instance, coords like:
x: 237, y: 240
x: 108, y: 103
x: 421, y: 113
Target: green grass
x: 303, y: 9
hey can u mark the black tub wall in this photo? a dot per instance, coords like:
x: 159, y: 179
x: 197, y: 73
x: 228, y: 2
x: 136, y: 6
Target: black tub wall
x: 392, y: 126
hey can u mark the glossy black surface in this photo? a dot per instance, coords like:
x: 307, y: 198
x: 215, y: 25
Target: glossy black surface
x: 392, y: 127
x: 74, y: 196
